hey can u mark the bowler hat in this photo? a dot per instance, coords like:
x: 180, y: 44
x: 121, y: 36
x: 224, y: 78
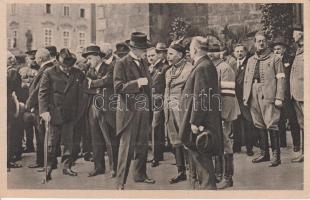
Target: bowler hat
x: 66, y: 58
x: 52, y: 50
x: 138, y: 40
x: 92, y: 50
x: 205, y: 142
x: 121, y: 48
x: 161, y: 46
x: 278, y: 41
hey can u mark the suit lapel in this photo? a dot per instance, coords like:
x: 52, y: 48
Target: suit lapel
x: 133, y: 66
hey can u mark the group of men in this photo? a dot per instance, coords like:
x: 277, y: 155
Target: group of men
x: 204, y: 103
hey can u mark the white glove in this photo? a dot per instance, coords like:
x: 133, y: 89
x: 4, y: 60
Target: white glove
x: 142, y: 81
x: 278, y: 103
x: 194, y: 128
x: 46, y: 116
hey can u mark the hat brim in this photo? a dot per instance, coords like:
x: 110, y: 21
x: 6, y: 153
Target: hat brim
x: 70, y: 63
x: 145, y: 46
x: 93, y: 53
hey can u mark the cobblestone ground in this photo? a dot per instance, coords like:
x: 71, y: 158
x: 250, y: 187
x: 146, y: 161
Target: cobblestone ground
x: 248, y: 176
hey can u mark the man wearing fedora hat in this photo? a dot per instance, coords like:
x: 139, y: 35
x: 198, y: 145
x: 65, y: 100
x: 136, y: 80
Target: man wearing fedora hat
x: 229, y: 112
x: 200, y: 127
x: 132, y: 83
x: 158, y: 70
x: 101, y: 118
x: 263, y: 92
x: 58, y: 105
x: 297, y: 85
x: 279, y: 46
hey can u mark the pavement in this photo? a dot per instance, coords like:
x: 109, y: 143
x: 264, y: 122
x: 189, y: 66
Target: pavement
x: 247, y: 176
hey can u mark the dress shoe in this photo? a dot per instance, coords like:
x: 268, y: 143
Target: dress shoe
x: 146, y: 180
x: 298, y: 159
x: 296, y: 148
x: 275, y: 163
x: 95, y: 173
x: 113, y: 174
x: 250, y: 152
x: 69, y: 172
x: 35, y: 165
x: 154, y: 163
x: 180, y: 177
x: 261, y: 158
x: 225, y: 183
x: 14, y: 165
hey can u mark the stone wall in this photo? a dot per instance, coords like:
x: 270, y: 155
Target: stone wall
x: 115, y: 22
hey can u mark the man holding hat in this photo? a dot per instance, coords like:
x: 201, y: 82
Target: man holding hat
x: 297, y: 85
x: 200, y: 127
x: 132, y: 83
x: 279, y: 46
x: 176, y: 77
x: 101, y: 117
x: 263, y: 92
x: 229, y: 112
x: 58, y: 106
x: 158, y: 70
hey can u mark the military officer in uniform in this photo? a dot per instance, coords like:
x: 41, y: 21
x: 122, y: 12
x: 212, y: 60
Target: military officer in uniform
x: 297, y: 86
x: 263, y: 92
x: 132, y: 83
x: 229, y: 113
x: 27, y: 74
x: 58, y: 105
x: 279, y: 46
x: 176, y: 77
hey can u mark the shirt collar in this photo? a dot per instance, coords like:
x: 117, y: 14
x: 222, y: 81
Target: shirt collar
x: 133, y: 56
x: 98, y: 67
x: 109, y: 61
x: 180, y: 63
x: 242, y: 60
x: 46, y: 63
x: 197, y: 59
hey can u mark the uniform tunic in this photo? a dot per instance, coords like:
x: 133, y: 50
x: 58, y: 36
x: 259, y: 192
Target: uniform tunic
x: 176, y: 77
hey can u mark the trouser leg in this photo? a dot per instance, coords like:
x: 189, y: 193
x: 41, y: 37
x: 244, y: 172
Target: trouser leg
x: 282, y: 129
x: 275, y: 145
x: 158, y: 135
x: 264, y: 149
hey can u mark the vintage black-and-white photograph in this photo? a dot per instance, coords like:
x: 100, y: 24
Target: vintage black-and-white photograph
x: 155, y: 96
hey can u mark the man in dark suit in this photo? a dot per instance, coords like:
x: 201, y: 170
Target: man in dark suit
x: 279, y: 46
x: 200, y: 112
x: 243, y: 126
x: 43, y: 59
x: 101, y: 116
x: 58, y: 106
x: 132, y: 83
x: 158, y: 70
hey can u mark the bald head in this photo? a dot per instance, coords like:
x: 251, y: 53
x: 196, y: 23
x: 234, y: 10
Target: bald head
x: 42, y: 56
x: 198, y: 47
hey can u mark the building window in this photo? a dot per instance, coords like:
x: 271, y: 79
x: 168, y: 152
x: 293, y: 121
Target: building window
x: 47, y: 37
x: 13, y: 9
x: 66, y: 11
x: 48, y: 8
x: 82, y: 38
x: 66, y: 39
x: 82, y: 13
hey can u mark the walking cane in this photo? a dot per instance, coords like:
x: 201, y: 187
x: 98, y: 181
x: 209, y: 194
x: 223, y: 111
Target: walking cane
x: 47, y: 130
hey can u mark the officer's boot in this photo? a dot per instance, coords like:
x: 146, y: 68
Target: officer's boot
x: 275, y: 145
x: 218, y: 168
x: 264, y: 149
x: 300, y: 158
x: 228, y: 172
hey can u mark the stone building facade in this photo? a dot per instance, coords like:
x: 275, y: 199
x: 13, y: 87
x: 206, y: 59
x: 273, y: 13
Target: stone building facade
x: 31, y: 26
